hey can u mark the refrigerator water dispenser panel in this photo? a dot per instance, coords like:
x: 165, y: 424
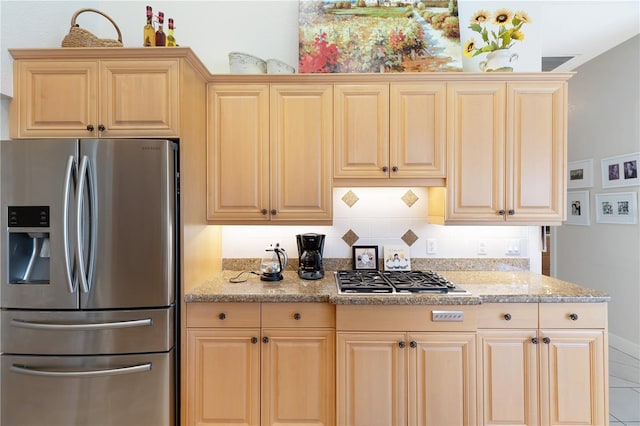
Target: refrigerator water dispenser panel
x: 29, y: 250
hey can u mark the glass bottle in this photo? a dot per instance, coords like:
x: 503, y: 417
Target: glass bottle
x: 171, y: 40
x: 149, y: 31
x: 161, y: 37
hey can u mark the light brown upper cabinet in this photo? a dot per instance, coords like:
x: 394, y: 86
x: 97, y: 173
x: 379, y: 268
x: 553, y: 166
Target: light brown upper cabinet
x: 61, y: 98
x: 389, y: 131
x: 506, y: 159
x: 269, y: 153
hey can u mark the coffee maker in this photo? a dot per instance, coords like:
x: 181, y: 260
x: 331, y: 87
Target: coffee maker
x: 310, y: 251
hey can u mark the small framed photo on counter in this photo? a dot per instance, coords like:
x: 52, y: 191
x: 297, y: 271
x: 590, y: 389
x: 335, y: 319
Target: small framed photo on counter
x: 396, y: 258
x: 365, y: 257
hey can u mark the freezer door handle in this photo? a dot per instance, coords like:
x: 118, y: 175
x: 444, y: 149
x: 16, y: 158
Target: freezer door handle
x: 69, y: 172
x: 81, y: 327
x: 87, y: 373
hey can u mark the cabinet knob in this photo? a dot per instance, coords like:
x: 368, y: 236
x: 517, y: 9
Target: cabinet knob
x: 507, y: 317
x: 501, y: 212
x: 385, y: 169
x: 274, y: 212
x: 573, y: 317
x: 264, y: 212
x: 534, y: 340
x: 394, y: 169
x: 222, y: 316
x: 546, y: 340
x: 402, y: 344
x: 254, y: 340
x: 297, y: 316
x: 511, y: 212
x: 90, y: 127
x: 265, y: 339
x: 413, y: 344
x: 101, y: 128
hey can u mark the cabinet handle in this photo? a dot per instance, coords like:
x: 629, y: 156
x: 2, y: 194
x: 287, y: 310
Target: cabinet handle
x: 222, y: 316
x: 511, y: 212
x: 413, y: 344
x: 385, y: 169
x: 546, y: 340
x: 101, y: 128
x: 264, y: 212
x: 507, y: 317
x: 254, y: 340
x: 501, y: 212
x: 394, y: 169
x: 534, y: 340
x: 402, y: 344
x: 265, y: 339
x: 274, y: 212
x: 90, y: 127
x: 297, y: 316
x: 573, y: 317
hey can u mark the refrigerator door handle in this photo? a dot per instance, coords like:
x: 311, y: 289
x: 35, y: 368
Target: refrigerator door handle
x: 88, y: 373
x: 69, y: 172
x: 82, y: 326
x: 84, y: 175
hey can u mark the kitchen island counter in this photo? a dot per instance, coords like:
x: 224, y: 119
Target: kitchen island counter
x: 483, y: 286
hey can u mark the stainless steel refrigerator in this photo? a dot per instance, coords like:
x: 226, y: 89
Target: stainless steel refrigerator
x: 88, y: 282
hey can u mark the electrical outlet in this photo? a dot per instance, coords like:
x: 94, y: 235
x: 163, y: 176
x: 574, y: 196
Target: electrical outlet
x: 513, y: 247
x: 482, y: 247
x: 432, y: 246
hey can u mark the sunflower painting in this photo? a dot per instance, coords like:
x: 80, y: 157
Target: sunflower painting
x: 378, y: 36
x: 490, y: 30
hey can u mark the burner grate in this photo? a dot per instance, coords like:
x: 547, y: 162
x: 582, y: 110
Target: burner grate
x: 372, y: 282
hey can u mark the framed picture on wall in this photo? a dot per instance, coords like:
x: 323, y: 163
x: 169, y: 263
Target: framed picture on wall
x: 578, y: 208
x: 580, y: 174
x: 617, y: 207
x: 621, y: 170
x: 365, y: 257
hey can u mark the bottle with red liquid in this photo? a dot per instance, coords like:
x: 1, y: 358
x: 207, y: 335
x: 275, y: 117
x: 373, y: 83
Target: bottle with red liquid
x: 161, y: 37
x: 149, y: 31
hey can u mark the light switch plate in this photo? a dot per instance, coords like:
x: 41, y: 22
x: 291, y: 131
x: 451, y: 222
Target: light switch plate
x: 432, y: 246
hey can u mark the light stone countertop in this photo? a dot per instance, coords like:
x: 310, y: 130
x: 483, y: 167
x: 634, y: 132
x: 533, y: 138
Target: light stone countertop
x: 484, y: 286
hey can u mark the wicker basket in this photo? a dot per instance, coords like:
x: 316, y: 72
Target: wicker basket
x: 79, y: 37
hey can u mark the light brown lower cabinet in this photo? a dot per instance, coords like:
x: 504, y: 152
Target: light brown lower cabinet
x: 542, y: 364
x: 268, y: 364
x: 395, y: 377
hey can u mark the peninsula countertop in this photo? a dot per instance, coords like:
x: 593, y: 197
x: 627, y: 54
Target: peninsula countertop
x: 483, y: 286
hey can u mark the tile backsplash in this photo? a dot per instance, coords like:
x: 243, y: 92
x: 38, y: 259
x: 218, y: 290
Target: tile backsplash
x: 387, y: 216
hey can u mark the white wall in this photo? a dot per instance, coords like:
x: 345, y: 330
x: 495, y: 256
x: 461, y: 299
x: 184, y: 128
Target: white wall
x: 604, y: 111
x: 268, y: 29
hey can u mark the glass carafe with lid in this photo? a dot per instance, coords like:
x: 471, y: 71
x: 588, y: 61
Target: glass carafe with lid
x: 274, y: 262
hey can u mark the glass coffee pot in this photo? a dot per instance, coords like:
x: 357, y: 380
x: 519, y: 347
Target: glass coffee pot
x: 274, y: 262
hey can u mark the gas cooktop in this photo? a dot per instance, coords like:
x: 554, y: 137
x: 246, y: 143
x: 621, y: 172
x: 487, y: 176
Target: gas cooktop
x: 394, y: 282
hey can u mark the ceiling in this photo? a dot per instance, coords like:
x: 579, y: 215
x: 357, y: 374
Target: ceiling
x: 576, y: 31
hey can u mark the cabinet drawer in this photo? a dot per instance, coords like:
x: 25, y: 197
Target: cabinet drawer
x: 508, y: 315
x: 573, y: 315
x: 406, y: 317
x: 298, y: 315
x: 223, y: 315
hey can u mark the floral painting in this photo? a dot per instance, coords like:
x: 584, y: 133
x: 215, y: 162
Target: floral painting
x: 373, y: 36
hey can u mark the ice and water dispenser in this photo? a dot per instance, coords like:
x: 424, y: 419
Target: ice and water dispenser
x: 29, y: 245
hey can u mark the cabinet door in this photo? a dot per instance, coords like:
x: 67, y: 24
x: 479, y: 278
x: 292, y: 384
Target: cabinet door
x: 508, y: 377
x: 223, y: 377
x: 361, y: 119
x: 238, y: 153
x: 442, y: 379
x: 139, y: 98
x: 301, y: 124
x: 572, y: 377
x: 417, y: 130
x: 371, y: 379
x: 298, y: 377
x: 536, y: 151
x: 55, y: 99
x: 475, y: 151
